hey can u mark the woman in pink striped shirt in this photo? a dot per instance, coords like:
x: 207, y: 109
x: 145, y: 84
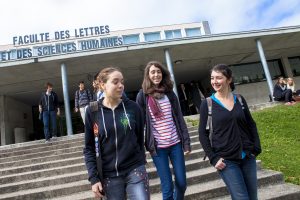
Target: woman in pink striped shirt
x: 166, y: 137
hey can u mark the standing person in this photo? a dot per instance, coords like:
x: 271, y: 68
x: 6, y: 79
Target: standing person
x: 233, y: 143
x: 98, y: 92
x: 281, y: 93
x: 48, y: 107
x: 114, y: 143
x: 82, y: 99
x: 167, y: 135
x: 196, y: 95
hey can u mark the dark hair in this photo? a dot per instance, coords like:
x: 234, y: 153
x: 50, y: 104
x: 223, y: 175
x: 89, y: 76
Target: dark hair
x: 226, y: 71
x: 278, y: 79
x: 166, y: 81
x: 48, y: 85
x: 104, y: 73
x: 81, y: 82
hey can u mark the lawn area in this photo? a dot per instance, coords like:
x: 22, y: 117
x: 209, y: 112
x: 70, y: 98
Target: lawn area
x: 279, y: 130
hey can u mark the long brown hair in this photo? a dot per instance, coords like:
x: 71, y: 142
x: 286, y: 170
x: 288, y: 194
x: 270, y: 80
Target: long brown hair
x: 166, y: 82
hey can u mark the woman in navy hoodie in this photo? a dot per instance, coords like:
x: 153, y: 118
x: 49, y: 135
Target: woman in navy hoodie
x: 114, y: 142
x: 167, y: 136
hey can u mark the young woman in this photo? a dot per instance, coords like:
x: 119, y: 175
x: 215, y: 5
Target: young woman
x: 166, y: 132
x: 234, y: 142
x: 290, y: 84
x: 281, y: 93
x: 114, y: 143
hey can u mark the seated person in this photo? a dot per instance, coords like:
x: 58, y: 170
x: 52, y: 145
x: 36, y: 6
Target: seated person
x: 281, y: 93
x: 291, y: 85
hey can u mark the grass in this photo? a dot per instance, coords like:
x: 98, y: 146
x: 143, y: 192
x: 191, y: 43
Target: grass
x: 279, y: 131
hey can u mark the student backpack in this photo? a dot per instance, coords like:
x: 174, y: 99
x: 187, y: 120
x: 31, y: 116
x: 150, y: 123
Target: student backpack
x: 94, y: 107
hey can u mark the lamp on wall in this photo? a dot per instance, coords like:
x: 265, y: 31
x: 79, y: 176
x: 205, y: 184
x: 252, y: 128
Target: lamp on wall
x: 178, y: 62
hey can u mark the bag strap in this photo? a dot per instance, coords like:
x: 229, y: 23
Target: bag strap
x: 239, y: 97
x: 209, y: 119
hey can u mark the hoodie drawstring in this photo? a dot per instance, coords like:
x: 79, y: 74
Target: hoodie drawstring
x: 103, y: 122
x: 126, y: 116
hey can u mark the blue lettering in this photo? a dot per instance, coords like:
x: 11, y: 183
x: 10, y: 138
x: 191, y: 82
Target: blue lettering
x: 47, y: 37
x: 67, y: 33
x: 73, y: 46
x: 120, y: 41
x: 97, y: 31
x: 92, y: 30
x: 83, y: 45
x: 40, y: 52
x: 81, y: 32
x: 15, y: 40
x: 26, y: 39
x: 107, y: 29
x: 56, y: 35
x: 3, y: 55
x: 102, y: 30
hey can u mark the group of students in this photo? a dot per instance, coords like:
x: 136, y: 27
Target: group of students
x: 285, y: 90
x: 118, y: 130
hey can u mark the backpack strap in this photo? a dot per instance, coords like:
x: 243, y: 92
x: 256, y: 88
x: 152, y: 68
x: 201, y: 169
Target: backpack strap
x: 209, y: 126
x: 94, y: 106
x: 239, y: 97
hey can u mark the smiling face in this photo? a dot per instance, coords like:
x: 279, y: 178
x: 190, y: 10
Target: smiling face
x: 219, y: 82
x: 114, y: 86
x: 155, y: 75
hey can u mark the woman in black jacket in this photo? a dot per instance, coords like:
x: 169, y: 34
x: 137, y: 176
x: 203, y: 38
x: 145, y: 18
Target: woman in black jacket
x: 281, y: 93
x: 166, y: 132
x: 233, y: 142
x: 114, y: 142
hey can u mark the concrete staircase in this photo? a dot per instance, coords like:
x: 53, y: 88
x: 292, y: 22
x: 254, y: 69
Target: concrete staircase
x: 35, y: 170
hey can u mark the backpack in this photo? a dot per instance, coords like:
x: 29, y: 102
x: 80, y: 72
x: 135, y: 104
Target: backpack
x: 209, y: 126
x: 94, y: 108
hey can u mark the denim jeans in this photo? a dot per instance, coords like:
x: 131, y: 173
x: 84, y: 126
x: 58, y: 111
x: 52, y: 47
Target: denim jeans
x: 161, y: 161
x: 133, y: 186
x: 49, y: 116
x: 240, y: 178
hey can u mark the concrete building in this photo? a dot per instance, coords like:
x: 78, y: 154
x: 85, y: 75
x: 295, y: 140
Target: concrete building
x: 189, y: 51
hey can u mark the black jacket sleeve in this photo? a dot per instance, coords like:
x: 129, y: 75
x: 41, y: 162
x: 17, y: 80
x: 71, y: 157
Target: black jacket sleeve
x: 253, y: 128
x: 185, y: 134
x: 140, y: 101
x: 204, y: 135
x: 140, y: 127
x: 89, y: 149
x: 277, y: 93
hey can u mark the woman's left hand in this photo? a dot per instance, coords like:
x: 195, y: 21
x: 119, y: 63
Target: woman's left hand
x: 187, y: 152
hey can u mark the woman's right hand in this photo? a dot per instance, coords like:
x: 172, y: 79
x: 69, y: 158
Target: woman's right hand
x: 220, y: 164
x: 98, y: 190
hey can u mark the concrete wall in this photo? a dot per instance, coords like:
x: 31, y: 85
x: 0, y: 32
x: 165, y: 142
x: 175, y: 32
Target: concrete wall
x: 16, y: 115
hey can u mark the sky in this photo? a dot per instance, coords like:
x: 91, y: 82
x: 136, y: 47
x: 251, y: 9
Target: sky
x: 22, y: 17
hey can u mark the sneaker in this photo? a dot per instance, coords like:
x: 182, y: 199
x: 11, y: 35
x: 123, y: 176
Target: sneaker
x: 54, y: 138
x: 47, y: 141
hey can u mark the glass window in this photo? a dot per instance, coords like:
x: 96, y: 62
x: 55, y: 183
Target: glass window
x: 295, y: 65
x: 191, y: 32
x: 131, y: 39
x: 152, y: 36
x: 173, y: 34
x: 254, y: 72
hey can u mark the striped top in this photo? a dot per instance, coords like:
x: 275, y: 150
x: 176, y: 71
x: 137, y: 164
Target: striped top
x: 164, y: 130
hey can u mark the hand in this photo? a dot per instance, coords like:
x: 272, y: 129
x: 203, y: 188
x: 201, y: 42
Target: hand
x: 40, y: 109
x: 98, y: 190
x: 220, y: 164
x: 187, y: 152
x: 76, y: 109
x: 58, y: 113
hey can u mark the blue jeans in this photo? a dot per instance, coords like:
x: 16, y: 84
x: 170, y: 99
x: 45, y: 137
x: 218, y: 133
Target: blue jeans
x: 49, y: 116
x: 133, y: 186
x: 240, y: 178
x: 161, y: 161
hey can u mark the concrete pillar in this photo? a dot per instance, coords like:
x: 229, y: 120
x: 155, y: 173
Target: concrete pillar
x: 66, y: 99
x: 3, y: 114
x: 265, y: 66
x: 286, y: 66
x: 170, y: 68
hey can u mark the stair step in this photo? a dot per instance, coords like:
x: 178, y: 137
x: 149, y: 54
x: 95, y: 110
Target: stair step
x: 216, y: 188
x: 281, y: 191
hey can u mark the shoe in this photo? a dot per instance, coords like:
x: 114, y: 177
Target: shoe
x: 54, y: 138
x: 47, y: 141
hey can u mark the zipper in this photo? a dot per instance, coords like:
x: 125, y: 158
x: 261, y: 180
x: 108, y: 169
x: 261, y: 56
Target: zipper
x: 116, y: 164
